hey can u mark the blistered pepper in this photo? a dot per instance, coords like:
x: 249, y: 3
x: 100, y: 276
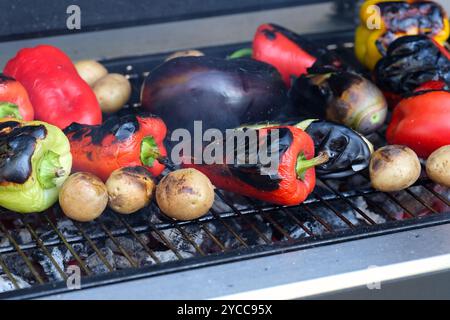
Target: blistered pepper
x: 383, y: 21
x: 35, y: 160
x: 58, y: 94
x: 121, y: 141
x: 348, y: 151
x: 410, y: 62
x: 14, y: 100
x: 291, y: 184
x: 288, y: 52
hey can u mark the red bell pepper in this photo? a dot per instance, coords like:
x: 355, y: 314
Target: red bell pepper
x: 14, y: 99
x: 288, y: 52
x: 121, y: 141
x: 291, y: 185
x: 58, y: 94
x: 422, y: 121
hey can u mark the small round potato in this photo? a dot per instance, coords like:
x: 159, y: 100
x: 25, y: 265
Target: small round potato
x: 185, y: 194
x: 90, y: 71
x: 112, y: 91
x: 438, y: 166
x: 129, y: 189
x: 185, y: 53
x: 394, y: 168
x: 83, y: 197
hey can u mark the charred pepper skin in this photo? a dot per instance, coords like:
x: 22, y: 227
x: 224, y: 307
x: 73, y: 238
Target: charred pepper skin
x: 14, y: 100
x: 288, y: 52
x: 292, y: 183
x: 397, y: 19
x: 221, y: 93
x: 422, y: 121
x: 409, y: 62
x: 58, y: 94
x: 121, y: 141
x: 35, y: 160
x: 348, y: 151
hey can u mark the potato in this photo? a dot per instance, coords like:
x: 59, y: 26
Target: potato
x: 112, y: 91
x: 438, y: 166
x: 185, y: 53
x: 83, y: 197
x: 129, y: 189
x: 185, y: 194
x: 394, y: 168
x: 90, y: 71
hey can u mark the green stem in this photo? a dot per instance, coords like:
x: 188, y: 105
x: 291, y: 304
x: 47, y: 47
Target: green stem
x: 305, y: 124
x: 241, y: 53
x: 49, y: 169
x: 304, y: 164
x: 9, y: 110
x: 149, y: 151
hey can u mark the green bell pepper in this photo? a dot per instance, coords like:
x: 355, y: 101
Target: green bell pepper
x: 35, y: 161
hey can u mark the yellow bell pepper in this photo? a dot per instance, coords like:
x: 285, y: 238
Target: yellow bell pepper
x: 383, y: 21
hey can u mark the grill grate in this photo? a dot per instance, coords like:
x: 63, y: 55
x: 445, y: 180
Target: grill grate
x: 36, y: 250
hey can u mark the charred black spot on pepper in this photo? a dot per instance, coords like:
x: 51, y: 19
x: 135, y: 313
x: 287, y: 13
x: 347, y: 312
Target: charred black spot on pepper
x: 121, y: 127
x: 399, y: 17
x: 253, y: 175
x: 16, y: 150
x: 7, y: 126
x: 410, y: 62
x: 4, y: 78
x: 270, y: 35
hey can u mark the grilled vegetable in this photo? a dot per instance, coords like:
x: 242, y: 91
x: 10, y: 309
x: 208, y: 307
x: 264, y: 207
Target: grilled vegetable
x: 83, y: 197
x: 422, y: 121
x: 121, y: 141
x: 185, y: 53
x: 394, y: 168
x: 90, y: 71
x: 348, y: 151
x: 58, y: 94
x: 340, y: 96
x: 411, y: 61
x: 287, y: 181
x: 185, y: 194
x: 383, y: 21
x: 287, y: 51
x: 112, y: 92
x: 14, y: 101
x: 221, y: 93
x: 438, y: 166
x: 35, y: 160
x: 129, y: 189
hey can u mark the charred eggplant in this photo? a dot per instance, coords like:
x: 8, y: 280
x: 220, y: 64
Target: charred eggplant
x: 340, y: 96
x: 221, y: 93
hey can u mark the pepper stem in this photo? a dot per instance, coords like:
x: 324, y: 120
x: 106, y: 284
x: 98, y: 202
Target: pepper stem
x: 149, y: 151
x: 241, y: 53
x: 305, y: 124
x: 304, y: 164
x: 9, y: 110
x: 49, y: 169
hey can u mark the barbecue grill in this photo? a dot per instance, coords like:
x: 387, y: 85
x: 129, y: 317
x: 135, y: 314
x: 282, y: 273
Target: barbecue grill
x: 346, y: 236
